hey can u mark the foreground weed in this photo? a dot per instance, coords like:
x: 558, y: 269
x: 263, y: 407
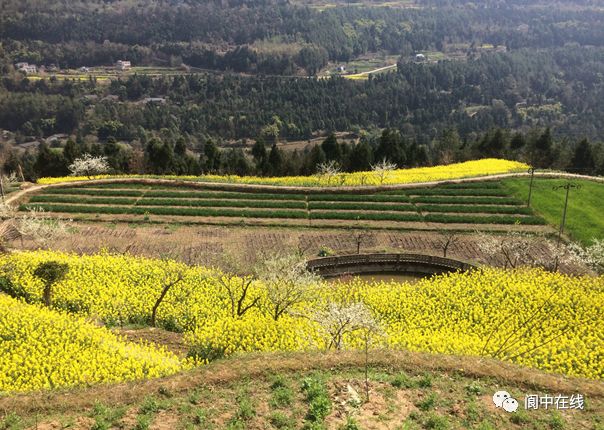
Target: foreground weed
x: 11, y: 421
x: 105, y: 417
x: 281, y: 421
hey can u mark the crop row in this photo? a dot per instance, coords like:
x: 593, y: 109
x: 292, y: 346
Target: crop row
x: 292, y: 214
x: 490, y: 219
x: 481, y: 185
x: 467, y: 200
x: 189, y: 194
x: 479, y: 192
x: 334, y: 206
x: 521, y: 210
x: 83, y: 200
x: 179, y: 211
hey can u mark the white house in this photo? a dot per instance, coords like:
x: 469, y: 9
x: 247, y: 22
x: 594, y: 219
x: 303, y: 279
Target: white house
x: 420, y: 57
x: 123, y: 65
x: 27, y: 68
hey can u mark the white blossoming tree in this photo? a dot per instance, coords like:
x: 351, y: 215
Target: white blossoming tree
x: 592, y: 255
x: 287, y: 281
x: 329, y: 170
x: 89, y: 166
x: 338, y: 320
x: 518, y: 249
x: 383, y: 169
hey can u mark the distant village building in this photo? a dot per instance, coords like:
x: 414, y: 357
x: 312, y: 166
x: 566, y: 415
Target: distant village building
x: 420, y: 57
x: 84, y: 69
x: 123, y: 65
x: 341, y: 69
x: 159, y: 100
x: 27, y: 68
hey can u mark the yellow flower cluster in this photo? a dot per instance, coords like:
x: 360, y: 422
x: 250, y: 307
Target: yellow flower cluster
x: 531, y: 317
x: 484, y: 167
x: 46, y: 349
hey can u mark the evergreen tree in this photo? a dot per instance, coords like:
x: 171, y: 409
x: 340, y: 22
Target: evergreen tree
x: 332, y: 149
x: 361, y: 157
x: 583, y: 159
x: 275, y: 161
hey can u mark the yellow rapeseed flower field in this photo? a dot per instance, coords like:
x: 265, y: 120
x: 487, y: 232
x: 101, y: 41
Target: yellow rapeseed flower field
x: 530, y: 317
x: 483, y: 167
x: 44, y: 349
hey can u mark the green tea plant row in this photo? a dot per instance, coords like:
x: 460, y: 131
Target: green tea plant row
x: 119, y: 201
x: 468, y: 200
x: 227, y: 195
x: 490, y: 219
x: 179, y: 211
x: 83, y: 200
x: 520, y: 210
x: 291, y: 214
x: 480, y: 192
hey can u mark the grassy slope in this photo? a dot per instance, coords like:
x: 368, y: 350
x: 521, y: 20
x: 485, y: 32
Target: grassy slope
x: 407, y: 391
x: 585, y: 217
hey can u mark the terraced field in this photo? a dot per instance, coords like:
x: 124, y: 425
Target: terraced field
x: 486, y: 205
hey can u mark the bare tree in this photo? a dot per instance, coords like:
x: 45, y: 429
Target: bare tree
x: 329, y: 170
x: 236, y: 284
x: 89, y: 166
x: 383, y: 169
x: 360, y: 237
x: 287, y: 281
x: 447, y: 238
x: 167, y: 284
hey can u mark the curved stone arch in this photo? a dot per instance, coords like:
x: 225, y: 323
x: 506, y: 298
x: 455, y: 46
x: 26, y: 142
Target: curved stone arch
x: 358, y: 264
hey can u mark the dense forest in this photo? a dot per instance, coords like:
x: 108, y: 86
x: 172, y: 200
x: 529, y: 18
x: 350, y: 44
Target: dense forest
x: 225, y: 35
x: 259, y: 85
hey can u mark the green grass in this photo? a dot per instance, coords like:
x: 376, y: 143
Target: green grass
x: 585, y: 216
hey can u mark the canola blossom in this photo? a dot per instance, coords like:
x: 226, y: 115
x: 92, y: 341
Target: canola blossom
x: 530, y: 317
x: 485, y: 167
x: 45, y: 349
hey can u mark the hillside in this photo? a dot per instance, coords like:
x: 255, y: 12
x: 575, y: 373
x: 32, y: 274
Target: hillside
x: 407, y: 391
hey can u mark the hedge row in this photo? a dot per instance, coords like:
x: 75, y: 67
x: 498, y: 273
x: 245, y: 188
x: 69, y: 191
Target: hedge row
x: 377, y: 198
x: 403, y: 207
x: 467, y: 200
x: 185, y: 194
x: 95, y: 192
x: 366, y: 216
x: 481, y: 185
x: 222, y: 203
x: 477, y: 209
x: 470, y: 219
x: 457, y: 192
x: 169, y: 211
x: 82, y: 200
